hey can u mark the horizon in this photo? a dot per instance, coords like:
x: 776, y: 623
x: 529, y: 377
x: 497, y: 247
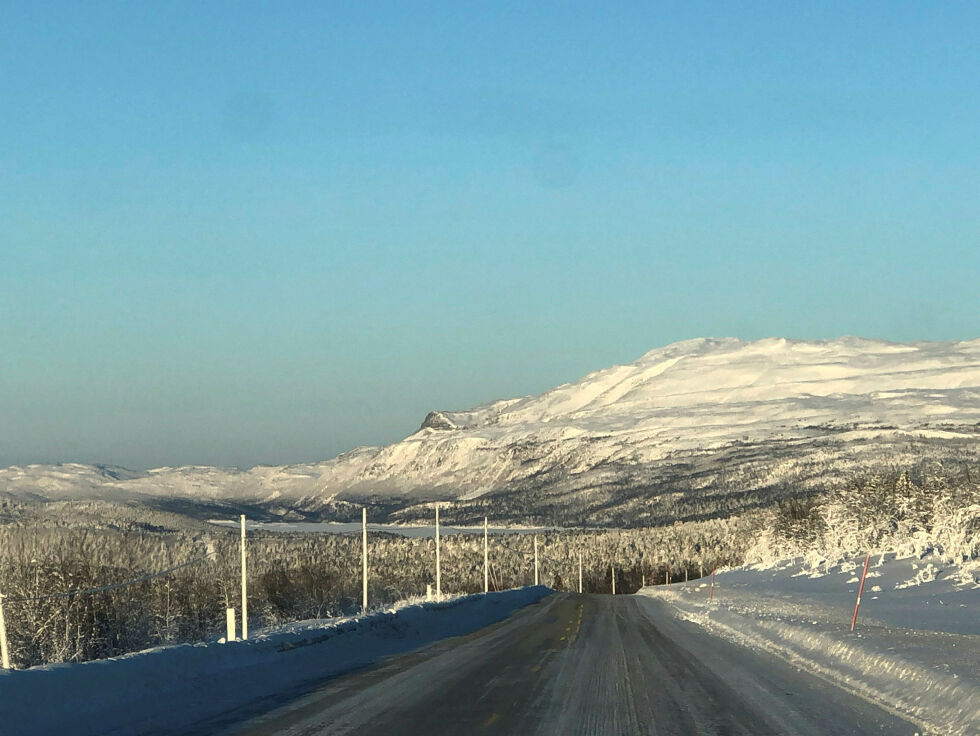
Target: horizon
x: 316, y: 461
x: 245, y: 235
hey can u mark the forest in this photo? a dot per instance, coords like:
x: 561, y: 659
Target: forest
x: 51, y: 553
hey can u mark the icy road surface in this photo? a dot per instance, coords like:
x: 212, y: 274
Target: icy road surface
x: 575, y: 664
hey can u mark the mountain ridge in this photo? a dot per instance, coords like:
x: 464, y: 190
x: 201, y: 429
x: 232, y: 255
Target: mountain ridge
x: 621, y: 427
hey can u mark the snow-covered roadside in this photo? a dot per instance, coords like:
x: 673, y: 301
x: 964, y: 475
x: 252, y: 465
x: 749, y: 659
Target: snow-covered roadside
x: 164, y: 689
x: 916, y: 648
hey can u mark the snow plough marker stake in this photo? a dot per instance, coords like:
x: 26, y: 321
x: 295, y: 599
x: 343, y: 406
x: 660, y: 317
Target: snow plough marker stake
x: 4, y: 652
x: 857, y: 605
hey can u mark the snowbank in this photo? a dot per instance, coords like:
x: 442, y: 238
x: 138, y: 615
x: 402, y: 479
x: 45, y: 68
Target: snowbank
x: 166, y: 689
x: 916, y: 648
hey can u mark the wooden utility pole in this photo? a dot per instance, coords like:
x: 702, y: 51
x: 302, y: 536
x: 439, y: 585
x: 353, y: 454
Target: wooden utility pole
x: 364, y: 597
x: 535, y: 559
x: 244, y: 587
x: 438, y: 569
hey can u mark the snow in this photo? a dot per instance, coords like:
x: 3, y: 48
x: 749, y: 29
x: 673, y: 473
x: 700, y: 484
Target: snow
x: 691, y: 396
x: 916, y: 647
x: 415, y: 531
x: 701, y: 393
x: 168, y: 688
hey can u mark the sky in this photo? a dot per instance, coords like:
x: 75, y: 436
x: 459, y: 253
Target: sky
x: 242, y: 233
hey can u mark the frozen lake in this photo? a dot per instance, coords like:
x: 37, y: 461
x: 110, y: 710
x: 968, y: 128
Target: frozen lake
x: 348, y: 527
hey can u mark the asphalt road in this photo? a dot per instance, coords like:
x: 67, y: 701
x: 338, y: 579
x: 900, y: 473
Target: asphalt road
x: 572, y: 664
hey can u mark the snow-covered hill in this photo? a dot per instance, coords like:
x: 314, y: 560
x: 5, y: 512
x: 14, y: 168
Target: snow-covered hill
x: 702, y: 393
x: 689, y: 424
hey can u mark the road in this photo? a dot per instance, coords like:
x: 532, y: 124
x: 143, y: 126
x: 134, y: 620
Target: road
x: 579, y: 664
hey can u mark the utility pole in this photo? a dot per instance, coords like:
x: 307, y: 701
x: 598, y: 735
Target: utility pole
x: 486, y: 555
x: 364, y: 600
x: 4, y: 652
x: 580, y: 573
x: 613, y: 568
x: 535, y: 559
x: 244, y: 587
x: 438, y: 569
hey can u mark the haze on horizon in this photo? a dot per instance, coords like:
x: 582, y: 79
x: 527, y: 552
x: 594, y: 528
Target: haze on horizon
x: 241, y: 233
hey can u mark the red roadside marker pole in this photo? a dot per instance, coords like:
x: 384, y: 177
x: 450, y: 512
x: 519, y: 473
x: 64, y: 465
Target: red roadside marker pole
x: 860, y: 591
x: 711, y: 595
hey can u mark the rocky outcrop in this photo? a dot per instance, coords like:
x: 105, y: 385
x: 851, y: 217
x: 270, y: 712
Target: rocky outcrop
x: 437, y: 420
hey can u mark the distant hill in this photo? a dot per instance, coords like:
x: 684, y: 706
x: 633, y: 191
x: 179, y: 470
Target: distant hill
x: 698, y: 428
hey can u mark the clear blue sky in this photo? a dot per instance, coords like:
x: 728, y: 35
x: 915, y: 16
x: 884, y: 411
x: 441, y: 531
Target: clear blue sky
x: 240, y: 233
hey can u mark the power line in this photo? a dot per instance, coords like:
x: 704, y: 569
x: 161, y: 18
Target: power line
x: 123, y: 584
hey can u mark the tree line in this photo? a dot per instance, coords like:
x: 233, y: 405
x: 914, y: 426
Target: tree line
x: 292, y: 576
x: 48, y: 552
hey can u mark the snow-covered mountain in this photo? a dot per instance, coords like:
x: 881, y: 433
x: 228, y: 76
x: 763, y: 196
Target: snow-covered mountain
x: 686, y: 424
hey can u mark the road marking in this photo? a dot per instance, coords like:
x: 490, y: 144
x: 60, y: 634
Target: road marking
x: 578, y: 626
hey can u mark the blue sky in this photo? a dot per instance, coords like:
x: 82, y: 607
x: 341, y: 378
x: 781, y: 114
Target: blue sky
x: 241, y: 233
